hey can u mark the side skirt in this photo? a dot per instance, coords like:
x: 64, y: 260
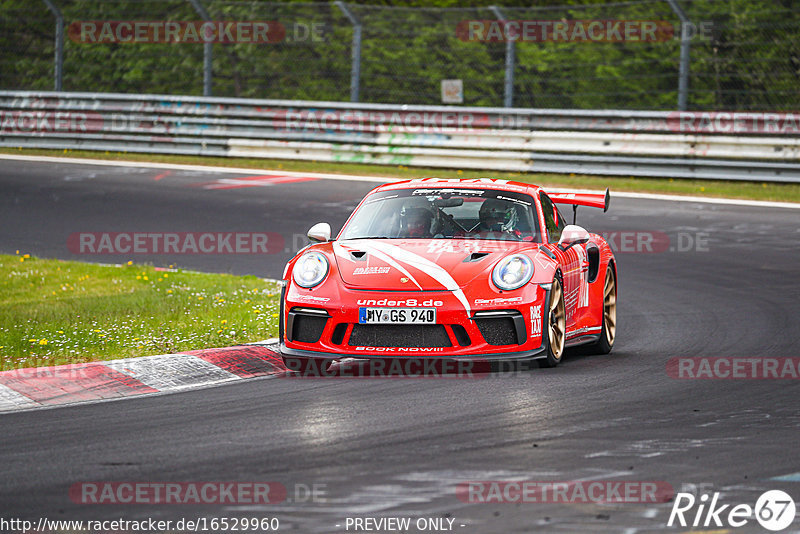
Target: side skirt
x: 582, y: 340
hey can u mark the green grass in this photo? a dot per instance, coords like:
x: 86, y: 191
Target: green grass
x: 54, y: 312
x: 703, y: 188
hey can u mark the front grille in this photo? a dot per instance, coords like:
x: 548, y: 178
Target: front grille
x: 399, y: 335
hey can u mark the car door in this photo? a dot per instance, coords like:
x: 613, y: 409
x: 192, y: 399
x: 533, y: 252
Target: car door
x: 574, y: 262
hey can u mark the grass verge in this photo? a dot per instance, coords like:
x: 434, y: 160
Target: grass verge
x: 54, y: 312
x: 703, y: 188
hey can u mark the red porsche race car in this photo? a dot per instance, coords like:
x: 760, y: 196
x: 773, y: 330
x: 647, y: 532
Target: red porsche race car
x: 477, y: 269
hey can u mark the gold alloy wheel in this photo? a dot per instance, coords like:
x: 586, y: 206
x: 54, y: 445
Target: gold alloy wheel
x: 610, y: 306
x: 557, y: 322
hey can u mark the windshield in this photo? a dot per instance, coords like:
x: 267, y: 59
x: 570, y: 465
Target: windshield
x: 445, y: 213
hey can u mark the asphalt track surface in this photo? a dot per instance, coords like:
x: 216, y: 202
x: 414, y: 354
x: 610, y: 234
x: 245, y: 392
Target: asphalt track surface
x: 399, y: 447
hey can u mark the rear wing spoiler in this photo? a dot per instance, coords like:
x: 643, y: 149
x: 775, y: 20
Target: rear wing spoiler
x: 593, y: 200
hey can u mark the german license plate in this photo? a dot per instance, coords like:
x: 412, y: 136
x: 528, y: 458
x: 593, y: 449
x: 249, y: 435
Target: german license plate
x: 397, y: 315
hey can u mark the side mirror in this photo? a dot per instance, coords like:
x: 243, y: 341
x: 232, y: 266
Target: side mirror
x: 320, y: 233
x: 573, y: 235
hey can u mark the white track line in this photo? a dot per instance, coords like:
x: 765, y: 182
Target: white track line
x: 203, y: 168
x: 374, y: 179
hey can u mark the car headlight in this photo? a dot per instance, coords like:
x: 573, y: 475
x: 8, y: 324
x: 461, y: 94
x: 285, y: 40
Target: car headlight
x: 310, y: 269
x: 512, y: 272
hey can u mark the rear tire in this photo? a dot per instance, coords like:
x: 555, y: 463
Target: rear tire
x: 609, y: 332
x: 556, y: 326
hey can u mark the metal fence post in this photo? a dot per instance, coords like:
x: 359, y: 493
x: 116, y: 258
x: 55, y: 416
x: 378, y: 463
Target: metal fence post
x: 508, y: 83
x: 355, y: 71
x: 207, y: 49
x: 683, y: 73
x: 59, y: 59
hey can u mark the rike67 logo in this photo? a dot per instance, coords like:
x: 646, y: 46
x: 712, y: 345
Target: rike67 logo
x: 774, y: 510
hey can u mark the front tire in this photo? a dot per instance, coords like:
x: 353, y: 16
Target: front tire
x: 556, y: 325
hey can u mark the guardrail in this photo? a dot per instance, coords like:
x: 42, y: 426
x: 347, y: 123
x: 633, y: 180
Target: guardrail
x: 732, y: 146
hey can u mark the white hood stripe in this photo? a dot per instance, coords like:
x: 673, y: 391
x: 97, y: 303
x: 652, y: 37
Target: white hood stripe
x: 423, y: 264
x: 340, y: 251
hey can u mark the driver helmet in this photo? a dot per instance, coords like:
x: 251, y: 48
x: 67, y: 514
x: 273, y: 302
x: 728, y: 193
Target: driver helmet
x: 417, y: 222
x: 496, y: 215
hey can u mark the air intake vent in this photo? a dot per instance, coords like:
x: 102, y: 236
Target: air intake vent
x: 358, y: 255
x: 338, y: 333
x: 396, y: 335
x: 475, y: 256
x: 306, y: 325
x: 503, y: 327
x: 461, y: 335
